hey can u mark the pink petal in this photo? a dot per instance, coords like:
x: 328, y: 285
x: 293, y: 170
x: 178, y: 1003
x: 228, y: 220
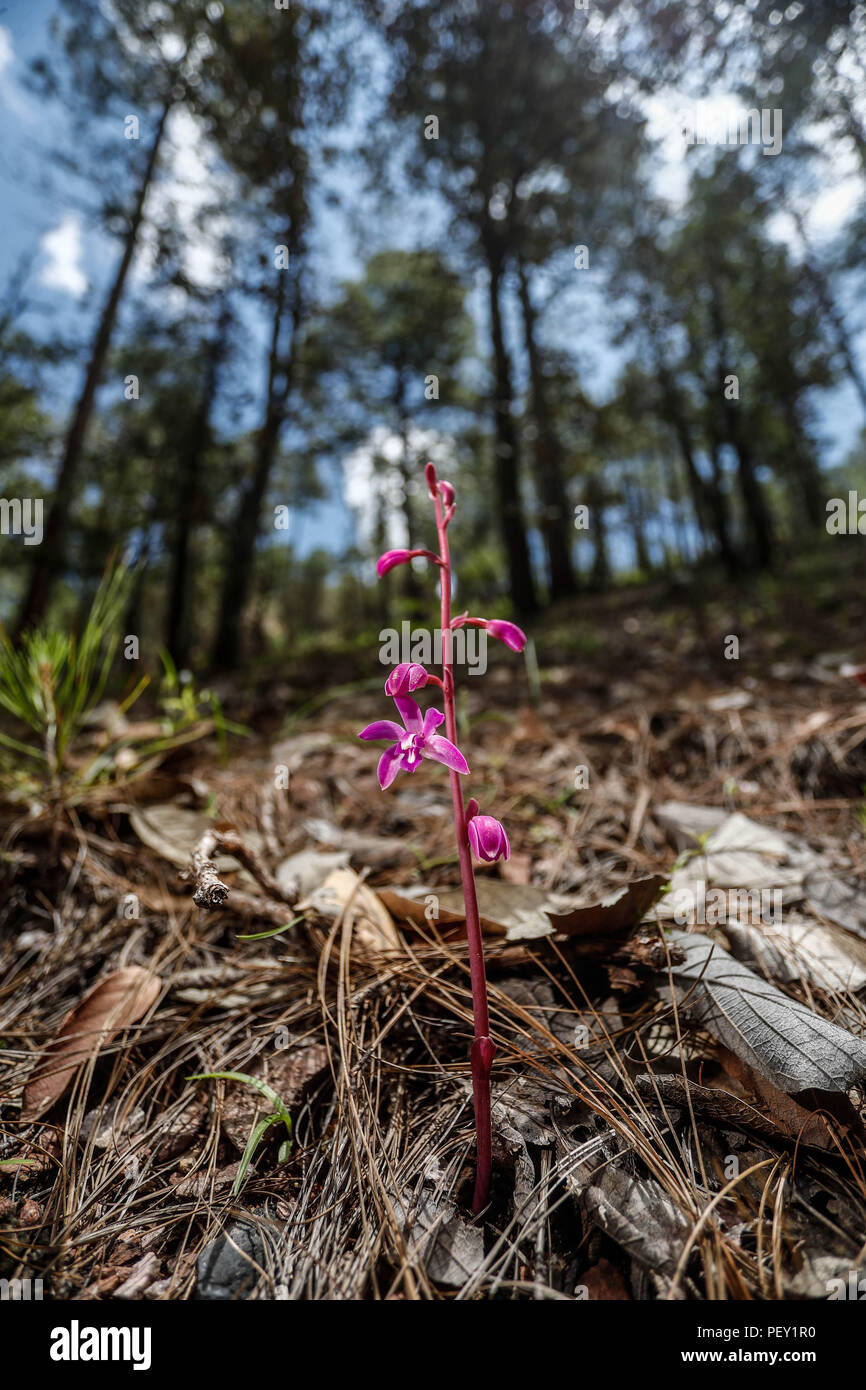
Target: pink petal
x: 405, y: 677
x: 410, y: 713
x: 382, y: 728
x: 389, y: 766
x: 488, y: 839
x: 390, y: 558
x: 432, y: 719
x: 445, y: 752
x: 509, y: 633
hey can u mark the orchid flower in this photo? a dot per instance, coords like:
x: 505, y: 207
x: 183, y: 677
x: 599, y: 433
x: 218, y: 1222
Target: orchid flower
x: 509, y: 633
x: 391, y: 558
x: 416, y: 740
x: 483, y: 836
x: 409, y: 675
x: 488, y: 839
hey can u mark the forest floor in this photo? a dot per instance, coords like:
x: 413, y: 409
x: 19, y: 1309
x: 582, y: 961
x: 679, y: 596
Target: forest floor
x: 666, y: 1124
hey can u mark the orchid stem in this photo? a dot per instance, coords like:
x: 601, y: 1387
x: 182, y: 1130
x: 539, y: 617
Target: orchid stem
x: 483, y: 1047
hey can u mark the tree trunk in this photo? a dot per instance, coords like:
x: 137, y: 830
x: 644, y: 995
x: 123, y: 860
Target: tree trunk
x: 513, y: 531
x: 708, y: 499
x: 808, y: 477
x: 188, y: 499
x: 600, y: 574
x: 556, y: 526
x: 241, y: 552
x: 757, y: 513
x: 52, y: 551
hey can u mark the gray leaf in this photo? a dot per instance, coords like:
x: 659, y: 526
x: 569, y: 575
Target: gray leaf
x: 778, y: 1037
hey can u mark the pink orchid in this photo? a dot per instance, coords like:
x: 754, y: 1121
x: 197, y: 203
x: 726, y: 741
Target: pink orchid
x: 488, y: 839
x: 390, y: 558
x: 509, y: 633
x: 409, y: 675
x: 482, y: 835
x: 416, y: 740
x: 447, y: 492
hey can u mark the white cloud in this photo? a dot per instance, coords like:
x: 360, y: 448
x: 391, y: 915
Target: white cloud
x: 61, y: 251
x: 7, y: 51
x: 11, y: 95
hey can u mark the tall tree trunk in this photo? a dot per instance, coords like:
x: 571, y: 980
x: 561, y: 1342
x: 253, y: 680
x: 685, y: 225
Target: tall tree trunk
x: 636, y: 522
x: 188, y: 498
x: 240, y: 557
x: 708, y: 499
x: 758, y: 518
x: 49, y: 563
x: 512, y: 527
x: 556, y: 525
x: 601, y: 569
x: 757, y: 513
x: 806, y: 473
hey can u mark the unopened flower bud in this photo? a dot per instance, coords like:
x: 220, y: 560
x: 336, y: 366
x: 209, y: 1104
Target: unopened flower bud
x: 408, y: 676
x: 509, y: 633
x: 488, y: 839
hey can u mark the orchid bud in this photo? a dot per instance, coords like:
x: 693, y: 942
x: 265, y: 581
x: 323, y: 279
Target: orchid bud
x: 390, y: 558
x: 509, y: 633
x: 488, y: 839
x: 447, y: 494
x: 430, y: 475
x: 408, y: 676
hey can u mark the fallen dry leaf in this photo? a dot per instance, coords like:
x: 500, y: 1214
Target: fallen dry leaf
x: 613, y: 914
x: 779, y: 1038
x: 517, y: 911
x: 112, y: 1005
x: 372, y: 927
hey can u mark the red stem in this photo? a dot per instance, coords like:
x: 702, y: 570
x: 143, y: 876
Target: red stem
x: 483, y: 1046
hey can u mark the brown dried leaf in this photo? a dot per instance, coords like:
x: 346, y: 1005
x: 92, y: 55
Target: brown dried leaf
x: 112, y: 1005
x: 344, y: 892
x: 613, y: 914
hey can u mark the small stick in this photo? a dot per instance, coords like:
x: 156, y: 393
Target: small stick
x: 210, y: 891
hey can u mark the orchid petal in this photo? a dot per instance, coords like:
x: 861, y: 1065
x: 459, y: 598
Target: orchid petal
x: 390, y: 558
x: 443, y: 751
x: 432, y: 719
x: 410, y: 713
x: 382, y: 728
x: 509, y: 633
x: 389, y: 766
x: 409, y: 675
x: 488, y: 839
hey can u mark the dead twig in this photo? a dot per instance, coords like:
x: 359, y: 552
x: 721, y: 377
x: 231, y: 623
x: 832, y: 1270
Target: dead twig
x: 210, y: 891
